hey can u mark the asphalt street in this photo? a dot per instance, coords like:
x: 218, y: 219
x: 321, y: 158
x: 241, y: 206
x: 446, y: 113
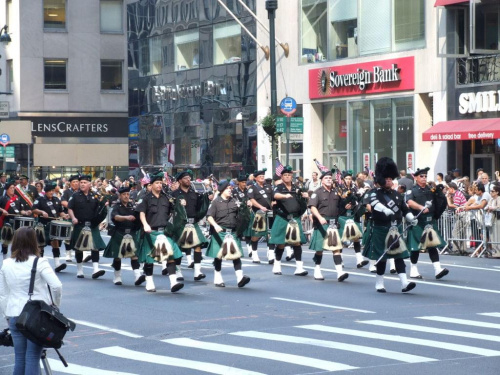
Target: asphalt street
x: 283, y: 324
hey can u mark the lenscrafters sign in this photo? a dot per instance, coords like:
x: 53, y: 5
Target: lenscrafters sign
x: 95, y: 127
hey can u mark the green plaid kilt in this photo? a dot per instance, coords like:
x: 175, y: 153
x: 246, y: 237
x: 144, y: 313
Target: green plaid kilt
x: 112, y: 250
x: 318, y: 236
x: 342, y: 221
x: 96, y: 237
x: 199, y: 233
x: 366, y: 233
x: 278, y: 231
x: 216, y: 243
x: 147, y: 245
x: 375, y: 243
x: 415, y: 232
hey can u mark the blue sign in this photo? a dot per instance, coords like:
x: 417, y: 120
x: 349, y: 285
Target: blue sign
x: 4, y: 139
x: 288, y: 106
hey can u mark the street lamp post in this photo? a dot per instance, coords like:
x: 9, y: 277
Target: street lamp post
x: 271, y: 6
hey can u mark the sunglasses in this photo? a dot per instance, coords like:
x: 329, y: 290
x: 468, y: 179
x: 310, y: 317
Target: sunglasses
x: 422, y: 175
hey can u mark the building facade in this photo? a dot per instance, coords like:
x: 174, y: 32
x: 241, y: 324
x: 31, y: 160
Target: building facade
x: 65, y: 70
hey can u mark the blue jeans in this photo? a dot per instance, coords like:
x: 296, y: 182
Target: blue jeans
x: 27, y: 353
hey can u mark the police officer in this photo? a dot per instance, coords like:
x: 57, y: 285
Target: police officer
x: 223, y: 216
x: 126, y: 221
x: 417, y: 198
x: 74, y: 185
x: 154, y: 212
x: 260, y: 195
x: 325, y: 207
x: 387, y: 211
x: 191, y: 201
x: 83, y: 209
x: 48, y: 207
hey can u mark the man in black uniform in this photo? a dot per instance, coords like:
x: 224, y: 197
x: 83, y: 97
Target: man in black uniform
x: 223, y: 217
x: 48, y: 207
x: 325, y: 207
x: 67, y: 194
x: 260, y: 195
x: 191, y: 201
x: 291, y: 204
x: 154, y: 212
x: 3, y: 181
x: 240, y: 194
x: 25, y: 191
x: 83, y: 209
x: 126, y: 222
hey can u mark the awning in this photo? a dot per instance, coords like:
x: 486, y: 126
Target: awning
x: 442, y: 3
x: 463, y: 130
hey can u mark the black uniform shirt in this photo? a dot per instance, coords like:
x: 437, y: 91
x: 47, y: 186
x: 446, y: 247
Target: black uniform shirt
x: 289, y: 206
x: 391, y: 199
x: 239, y: 194
x: 421, y: 195
x: 262, y: 194
x: 157, y: 210
x: 191, y: 198
x: 224, y: 212
x: 84, y: 206
x: 122, y: 210
x: 15, y: 207
x: 52, y: 207
x: 327, y: 203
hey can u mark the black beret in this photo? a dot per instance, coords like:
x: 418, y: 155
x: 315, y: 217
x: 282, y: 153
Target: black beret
x: 123, y: 189
x: 223, y: 185
x: 242, y: 177
x: 183, y: 174
x: 49, y: 187
x: 327, y: 173
x: 73, y: 177
x: 287, y: 169
x: 85, y: 177
x: 259, y: 172
x: 157, y: 177
x: 421, y: 171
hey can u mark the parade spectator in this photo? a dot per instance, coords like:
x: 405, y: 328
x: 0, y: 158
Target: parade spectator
x: 485, y: 180
x: 440, y: 179
x: 314, y: 183
x: 405, y: 180
x: 455, y: 197
x: 479, y: 173
x: 493, y: 208
x: 461, y: 228
x: 15, y: 278
x: 458, y: 179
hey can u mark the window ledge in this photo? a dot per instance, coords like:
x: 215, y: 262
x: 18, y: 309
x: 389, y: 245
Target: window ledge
x: 48, y: 30
x: 112, y: 32
x: 112, y: 92
x: 56, y: 91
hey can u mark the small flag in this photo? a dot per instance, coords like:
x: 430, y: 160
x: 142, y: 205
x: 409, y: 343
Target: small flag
x: 279, y: 167
x: 320, y: 166
x: 168, y: 180
x: 338, y: 177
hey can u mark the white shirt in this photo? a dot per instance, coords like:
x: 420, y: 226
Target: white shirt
x: 15, y: 283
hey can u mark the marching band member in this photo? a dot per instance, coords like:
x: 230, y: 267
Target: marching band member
x: 325, y: 206
x: 154, y: 212
x: 83, y: 208
x: 48, y: 207
x: 125, y: 239
x: 387, y: 210
x: 240, y: 193
x: 190, y: 235
x: 425, y: 235
x: 287, y: 226
x: 260, y: 195
x: 224, y: 243
x: 67, y: 194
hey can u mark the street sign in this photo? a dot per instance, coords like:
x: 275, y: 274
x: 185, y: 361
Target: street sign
x: 288, y: 106
x: 4, y: 109
x: 4, y: 139
x: 296, y: 125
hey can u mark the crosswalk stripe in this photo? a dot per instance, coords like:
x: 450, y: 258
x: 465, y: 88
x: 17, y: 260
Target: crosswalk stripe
x: 407, y: 340
x: 439, y: 331
x: 104, y: 328
x: 56, y: 365
x: 397, y: 356
x: 494, y: 314
x: 212, y: 368
x: 259, y: 353
x: 466, y: 322
x: 323, y: 305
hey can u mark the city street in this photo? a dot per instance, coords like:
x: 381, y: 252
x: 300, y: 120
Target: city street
x: 283, y: 324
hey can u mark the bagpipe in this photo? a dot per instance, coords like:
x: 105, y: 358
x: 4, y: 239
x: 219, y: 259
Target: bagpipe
x: 439, y: 201
x: 102, y: 208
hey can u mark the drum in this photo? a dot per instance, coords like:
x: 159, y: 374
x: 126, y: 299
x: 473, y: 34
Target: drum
x: 21, y: 221
x: 60, y: 230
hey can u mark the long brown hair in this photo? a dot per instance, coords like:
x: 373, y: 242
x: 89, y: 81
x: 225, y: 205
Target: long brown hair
x: 24, y: 244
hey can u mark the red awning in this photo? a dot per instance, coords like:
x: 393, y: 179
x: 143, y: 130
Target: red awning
x: 442, y: 3
x: 463, y: 130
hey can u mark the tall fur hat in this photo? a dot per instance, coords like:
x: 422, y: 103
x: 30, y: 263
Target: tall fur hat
x: 385, y: 168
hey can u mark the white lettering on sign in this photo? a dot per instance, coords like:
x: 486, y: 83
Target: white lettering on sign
x: 66, y: 127
x: 475, y: 102
x: 362, y: 78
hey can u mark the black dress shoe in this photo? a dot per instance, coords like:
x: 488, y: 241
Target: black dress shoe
x: 60, y: 267
x: 343, y: 277
x: 271, y: 261
x: 221, y: 285
x: 381, y: 290
x: 419, y: 277
x: 87, y: 258
x: 319, y: 278
x: 409, y: 287
x: 118, y: 283
x: 140, y: 280
x: 392, y: 270
x: 164, y: 271
x: 244, y: 281
x: 443, y: 273
x: 80, y: 276
x: 278, y: 273
x: 256, y: 261
x: 177, y: 287
x: 191, y: 265
x: 98, y: 274
x: 362, y: 264
x: 200, y: 277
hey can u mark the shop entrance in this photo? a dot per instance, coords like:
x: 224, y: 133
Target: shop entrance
x: 485, y: 161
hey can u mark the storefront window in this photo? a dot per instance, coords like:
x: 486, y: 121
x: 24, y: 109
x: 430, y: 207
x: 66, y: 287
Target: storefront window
x: 360, y: 135
x: 227, y: 43
x: 314, y: 31
x: 335, y: 135
x: 187, y: 49
x: 343, y: 29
